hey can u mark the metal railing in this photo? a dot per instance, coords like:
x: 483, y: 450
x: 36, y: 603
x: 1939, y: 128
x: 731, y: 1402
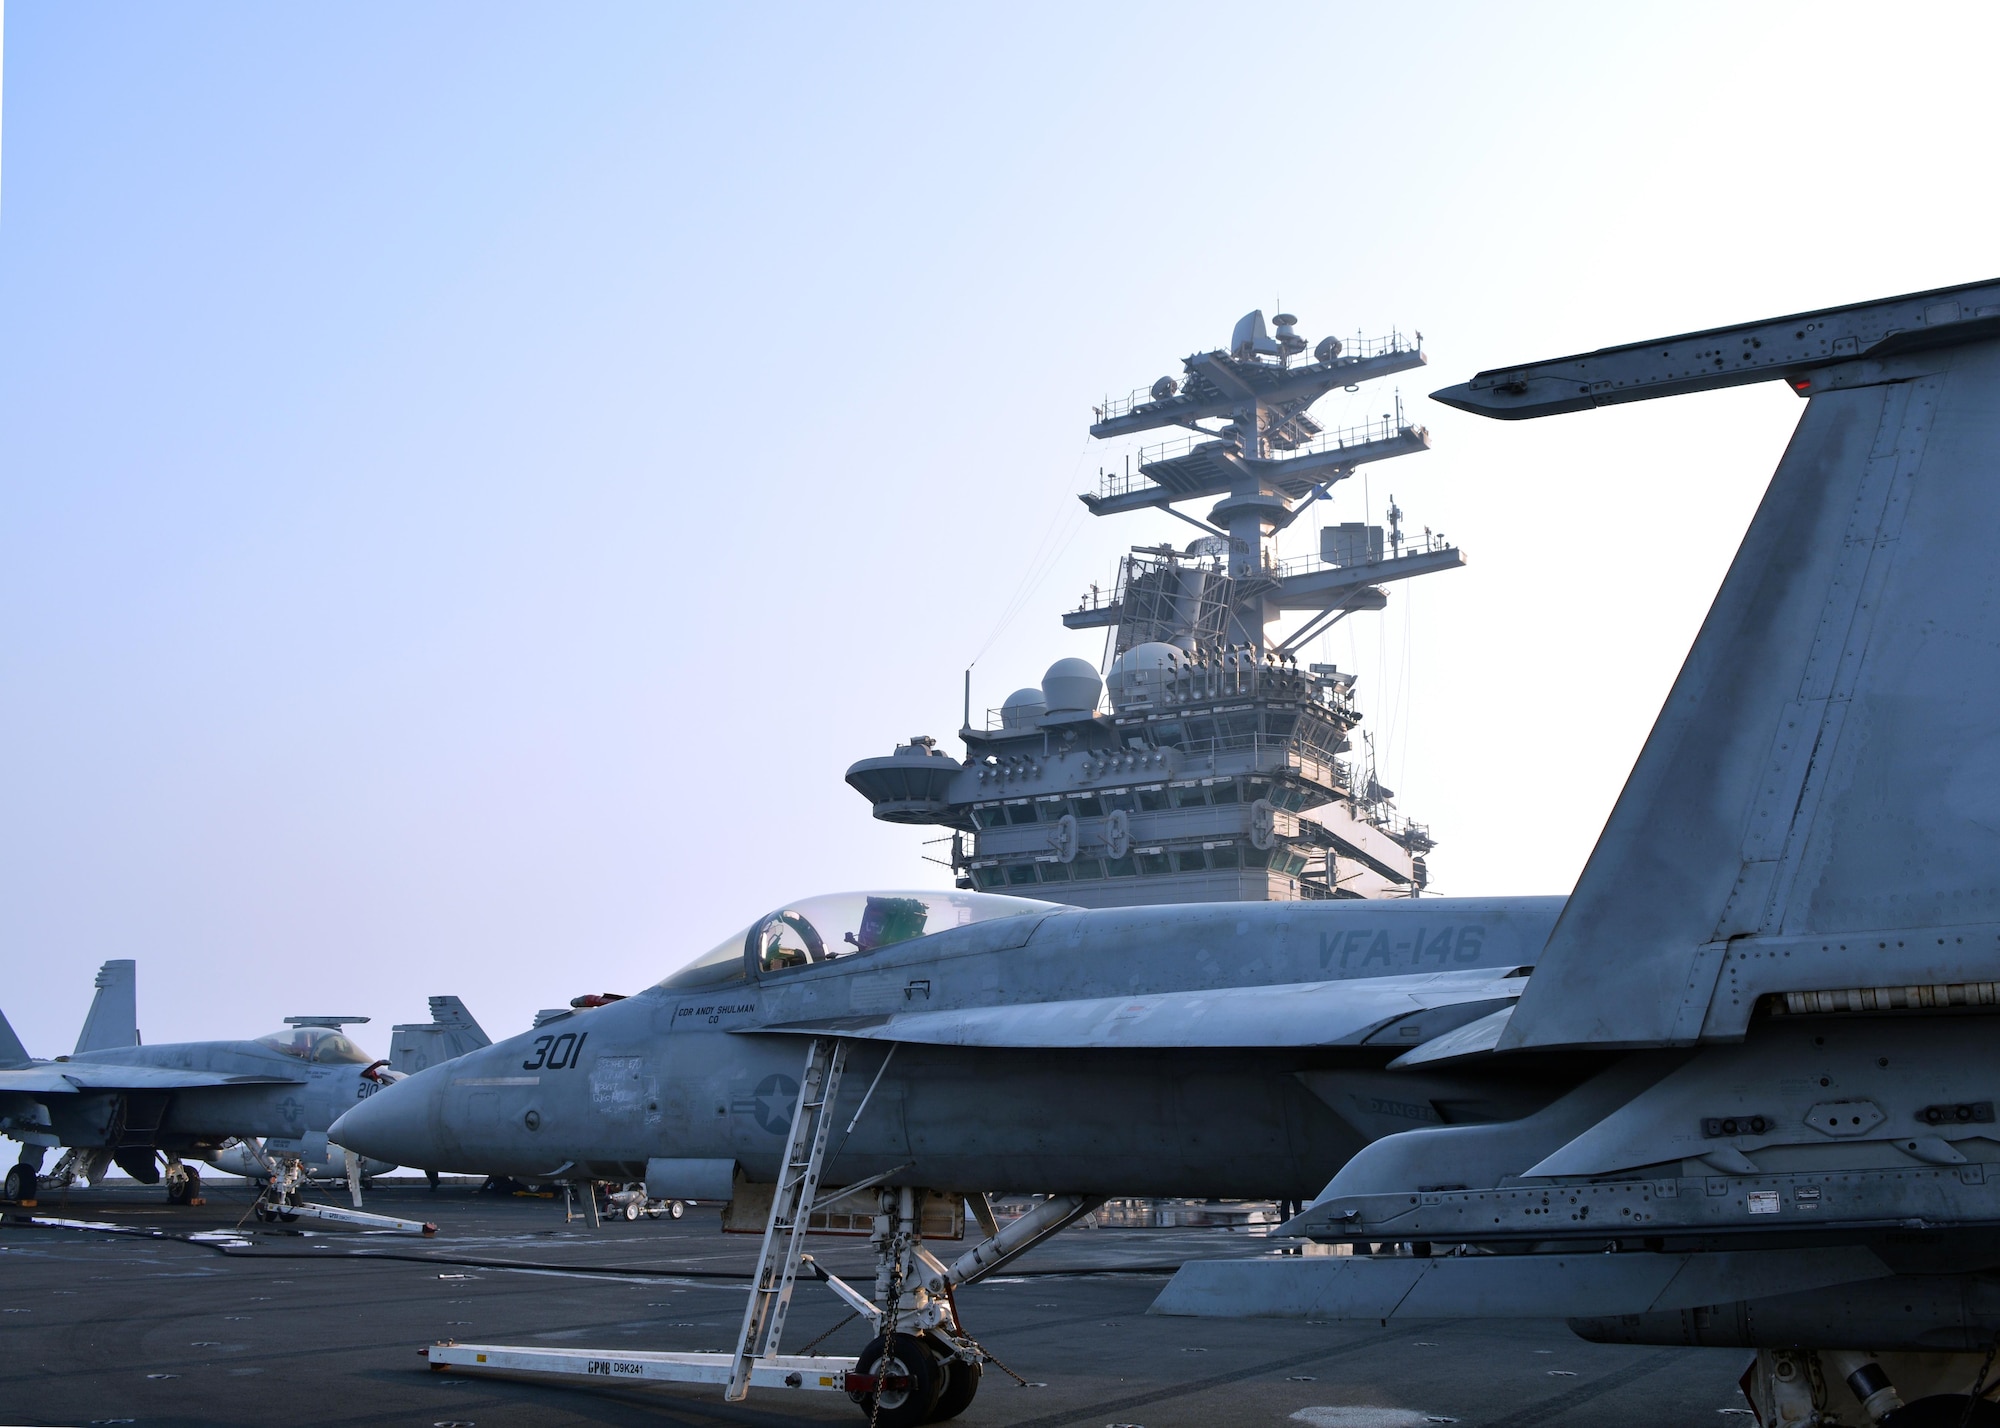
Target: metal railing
x: 1428, y: 542
x: 1178, y: 447
x: 1387, y: 429
x: 1353, y: 350
x: 1120, y: 483
x: 1367, y: 433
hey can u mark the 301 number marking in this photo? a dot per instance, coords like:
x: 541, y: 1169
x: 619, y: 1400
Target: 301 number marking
x: 556, y: 1053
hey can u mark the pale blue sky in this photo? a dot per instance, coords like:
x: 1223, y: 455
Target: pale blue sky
x: 473, y: 476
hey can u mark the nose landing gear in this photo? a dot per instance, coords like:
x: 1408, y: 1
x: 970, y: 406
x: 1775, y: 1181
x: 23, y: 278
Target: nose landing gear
x: 921, y: 1366
x: 183, y: 1183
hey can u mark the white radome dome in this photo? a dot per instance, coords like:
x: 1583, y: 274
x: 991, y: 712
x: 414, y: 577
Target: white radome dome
x: 1022, y: 708
x: 1138, y: 674
x: 1071, y: 686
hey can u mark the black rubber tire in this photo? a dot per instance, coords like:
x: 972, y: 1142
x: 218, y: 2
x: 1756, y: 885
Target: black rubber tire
x: 961, y: 1384
x: 431, y: 1178
x: 1944, y: 1410
x: 21, y: 1183
x: 178, y: 1191
x: 901, y: 1408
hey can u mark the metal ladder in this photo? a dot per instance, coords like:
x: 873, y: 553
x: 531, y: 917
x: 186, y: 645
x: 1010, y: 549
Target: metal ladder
x: 791, y: 1207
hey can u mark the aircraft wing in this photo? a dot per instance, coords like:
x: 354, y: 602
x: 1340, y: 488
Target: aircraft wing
x: 66, y: 1077
x: 1399, y: 1011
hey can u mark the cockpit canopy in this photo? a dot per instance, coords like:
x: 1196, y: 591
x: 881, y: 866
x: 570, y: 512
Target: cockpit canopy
x: 836, y: 925
x: 316, y: 1043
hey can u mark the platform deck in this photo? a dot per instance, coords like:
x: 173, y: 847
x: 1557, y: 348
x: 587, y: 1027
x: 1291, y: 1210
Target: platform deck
x: 101, y: 1327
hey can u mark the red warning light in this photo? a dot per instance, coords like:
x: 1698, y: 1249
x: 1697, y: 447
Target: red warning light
x: 1801, y: 384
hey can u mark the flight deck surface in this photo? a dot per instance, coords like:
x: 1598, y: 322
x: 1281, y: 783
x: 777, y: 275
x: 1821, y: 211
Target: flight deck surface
x: 148, y: 1327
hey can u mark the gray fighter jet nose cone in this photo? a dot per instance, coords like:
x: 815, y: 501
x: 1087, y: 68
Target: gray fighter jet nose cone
x: 390, y: 1125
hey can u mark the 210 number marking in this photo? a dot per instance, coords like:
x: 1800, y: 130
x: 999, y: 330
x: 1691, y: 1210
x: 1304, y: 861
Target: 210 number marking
x: 556, y: 1053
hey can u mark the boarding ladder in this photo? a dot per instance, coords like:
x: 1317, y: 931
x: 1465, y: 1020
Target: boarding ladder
x: 791, y: 1208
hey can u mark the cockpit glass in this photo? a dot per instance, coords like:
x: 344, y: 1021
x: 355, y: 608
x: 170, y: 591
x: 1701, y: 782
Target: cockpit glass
x: 316, y: 1043
x: 836, y: 925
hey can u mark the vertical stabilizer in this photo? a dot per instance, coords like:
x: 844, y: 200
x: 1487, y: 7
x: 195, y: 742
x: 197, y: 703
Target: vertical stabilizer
x: 114, y: 1014
x: 12, y: 1053
x: 450, y: 1032
x: 1817, y: 808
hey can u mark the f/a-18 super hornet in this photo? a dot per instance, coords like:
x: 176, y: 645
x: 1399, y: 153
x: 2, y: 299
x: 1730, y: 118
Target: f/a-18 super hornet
x: 921, y: 1047
x: 116, y: 1101
x: 1772, y: 1000
x: 450, y: 1032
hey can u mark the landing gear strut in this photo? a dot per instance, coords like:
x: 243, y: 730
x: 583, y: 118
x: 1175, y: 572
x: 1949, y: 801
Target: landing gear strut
x: 1788, y: 1387
x: 915, y: 1307
x: 183, y: 1183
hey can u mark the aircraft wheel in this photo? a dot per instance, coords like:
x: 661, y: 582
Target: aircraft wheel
x: 21, y: 1184
x: 264, y: 1212
x: 910, y: 1360
x: 677, y: 1209
x: 1945, y: 1410
x: 961, y: 1382
x: 431, y: 1178
x: 177, y: 1191
x: 631, y: 1211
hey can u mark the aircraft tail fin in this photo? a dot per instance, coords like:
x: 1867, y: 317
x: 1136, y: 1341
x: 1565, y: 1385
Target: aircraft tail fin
x: 114, y: 1013
x: 13, y: 1055
x: 451, y: 1032
x: 1814, y: 821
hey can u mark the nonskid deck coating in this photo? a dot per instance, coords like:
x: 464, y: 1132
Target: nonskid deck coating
x: 102, y: 1328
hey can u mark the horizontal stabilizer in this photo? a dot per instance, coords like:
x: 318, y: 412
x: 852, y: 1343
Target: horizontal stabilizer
x: 1396, y: 1011
x: 113, y: 1021
x: 1822, y: 787
x: 1554, y: 1286
x: 12, y: 1052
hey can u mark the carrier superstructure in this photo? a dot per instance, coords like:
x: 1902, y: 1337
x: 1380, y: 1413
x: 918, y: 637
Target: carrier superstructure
x: 1204, y: 764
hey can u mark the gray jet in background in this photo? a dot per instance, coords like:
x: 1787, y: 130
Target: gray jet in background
x: 450, y: 1032
x: 116, y: 1101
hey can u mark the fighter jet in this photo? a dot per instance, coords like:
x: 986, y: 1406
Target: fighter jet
x: 1772, y: 998
x: 934, y: 1045
x: 252, y: 1106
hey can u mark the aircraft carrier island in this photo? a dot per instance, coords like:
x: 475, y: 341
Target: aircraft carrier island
x: 1204, y: 764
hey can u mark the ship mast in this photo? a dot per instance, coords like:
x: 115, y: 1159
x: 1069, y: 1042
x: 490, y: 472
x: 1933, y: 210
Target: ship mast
x: 1263, y: 467
x: 1203, y: 765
